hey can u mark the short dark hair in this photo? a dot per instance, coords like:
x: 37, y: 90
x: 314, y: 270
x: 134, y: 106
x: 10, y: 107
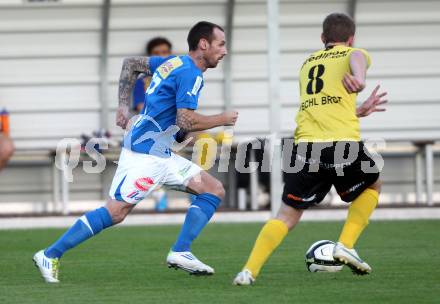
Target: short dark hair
x: 152, y: 43
x: 338, y: 27
x: 202, y: 30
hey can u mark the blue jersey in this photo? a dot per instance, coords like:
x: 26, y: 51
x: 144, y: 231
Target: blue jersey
x: 176, y: 84
x: 142, y: 84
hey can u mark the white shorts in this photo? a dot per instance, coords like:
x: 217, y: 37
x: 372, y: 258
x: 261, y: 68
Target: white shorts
x: 139, y: 174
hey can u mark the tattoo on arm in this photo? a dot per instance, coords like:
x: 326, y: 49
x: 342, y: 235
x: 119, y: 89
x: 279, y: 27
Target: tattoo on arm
x: 188, y: 120
x: 185, y: 119
x: 131, y: 67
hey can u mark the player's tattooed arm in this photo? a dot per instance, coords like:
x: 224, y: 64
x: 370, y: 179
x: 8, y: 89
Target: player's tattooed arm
x: 189, y: 121
x: 185, y: 119
x: 131, y: 68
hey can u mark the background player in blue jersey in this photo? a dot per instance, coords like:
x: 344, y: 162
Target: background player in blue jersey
x: 146, y: 161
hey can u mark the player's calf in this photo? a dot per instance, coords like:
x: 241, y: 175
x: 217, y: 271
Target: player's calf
x: 84, y: 228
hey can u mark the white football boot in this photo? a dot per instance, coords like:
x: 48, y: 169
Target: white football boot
x: 351, y: 258
x: 48, y: 267
x: 244, y: 277
x: 187, y: 261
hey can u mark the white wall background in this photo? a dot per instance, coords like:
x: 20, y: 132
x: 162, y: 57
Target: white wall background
x: 50, y: 55
x: 49, y: 61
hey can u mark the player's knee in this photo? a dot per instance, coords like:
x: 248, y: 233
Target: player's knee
x: 218, y: 190
x: 289, y: 216
x: 118, y: 211
x: 377, y: 185
x: 118, y: 217
x: 287, y: 221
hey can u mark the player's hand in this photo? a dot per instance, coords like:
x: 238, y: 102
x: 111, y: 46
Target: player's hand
x: 371, y: 104
x: 122, y: 116
x: 230, y: 118
x: 352, y: 84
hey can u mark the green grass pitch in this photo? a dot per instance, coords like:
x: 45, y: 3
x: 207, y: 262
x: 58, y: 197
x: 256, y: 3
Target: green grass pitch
x: 127, y: 265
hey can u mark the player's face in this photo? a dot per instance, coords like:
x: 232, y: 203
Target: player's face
x: 162, y: 50
x: 216, y: 49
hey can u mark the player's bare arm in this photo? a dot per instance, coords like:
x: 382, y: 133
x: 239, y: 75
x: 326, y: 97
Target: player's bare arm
x: 372, y: 103
x: 188, y: 120
x: 131, y: 68
x: 355, y: 82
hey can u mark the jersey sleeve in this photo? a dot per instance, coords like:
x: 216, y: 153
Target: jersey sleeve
x: 188, y: 89
x: 367, y: 56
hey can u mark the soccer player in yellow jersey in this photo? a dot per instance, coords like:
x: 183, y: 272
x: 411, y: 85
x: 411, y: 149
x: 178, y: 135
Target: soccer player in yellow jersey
x: 327, y: 148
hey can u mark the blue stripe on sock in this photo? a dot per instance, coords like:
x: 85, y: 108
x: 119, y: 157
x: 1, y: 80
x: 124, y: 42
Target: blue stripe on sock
x: 76, y: 234
x: 98, y: 220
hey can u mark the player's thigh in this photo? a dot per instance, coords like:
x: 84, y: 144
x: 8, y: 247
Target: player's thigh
x: 179, y: 171
x: 136, y: 176
x: 305, y: 189
x: 184, y: 175
x: 357, y: 177
x: 206, y: 183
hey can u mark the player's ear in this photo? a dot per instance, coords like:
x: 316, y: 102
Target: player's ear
x: 350, y: 41
x: 203, y: 44
x: 323, y: 38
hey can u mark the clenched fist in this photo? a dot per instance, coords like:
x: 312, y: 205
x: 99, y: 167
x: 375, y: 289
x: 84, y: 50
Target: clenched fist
x: 352, y: 84
x: 230, y: 118
x: 122, y: 116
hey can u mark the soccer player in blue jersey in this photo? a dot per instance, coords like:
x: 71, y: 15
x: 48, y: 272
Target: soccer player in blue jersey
x: 146, y: 161
x: 158, y: 46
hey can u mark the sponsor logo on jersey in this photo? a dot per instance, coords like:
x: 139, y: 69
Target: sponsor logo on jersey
x: 143, y: 183
x: 328, y: 55
x: 170, y: 65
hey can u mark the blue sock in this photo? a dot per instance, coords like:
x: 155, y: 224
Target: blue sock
x: 84, y: 228
x: 198, y: 215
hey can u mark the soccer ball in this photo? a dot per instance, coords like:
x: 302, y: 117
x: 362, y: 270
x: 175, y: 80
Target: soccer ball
x: 319, y: 257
